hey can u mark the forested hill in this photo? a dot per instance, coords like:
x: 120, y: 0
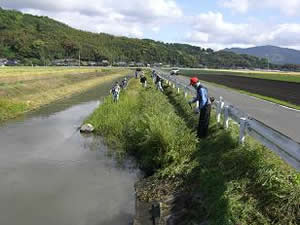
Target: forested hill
x: 36, y: 39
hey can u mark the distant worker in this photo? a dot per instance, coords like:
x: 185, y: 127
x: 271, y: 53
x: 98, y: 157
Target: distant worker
x: 143, y: 80
x: 204, y: 107
x: 136, y: 74
x: 154, y: 76
x: 124, y: 83
x: 115, y: 91
x: 158, y: 82
x: 153, y: 72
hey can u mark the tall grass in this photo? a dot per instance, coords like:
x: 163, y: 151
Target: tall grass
x: 145, y: 125
x: 238, y: 184
x: 242, y: 184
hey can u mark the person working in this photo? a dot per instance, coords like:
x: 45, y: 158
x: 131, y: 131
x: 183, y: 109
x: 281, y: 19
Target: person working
x: 158, y: 83
x: 204, y: 107
x: 143, y: 80
x: 124, y: 83
x: 115, y: 91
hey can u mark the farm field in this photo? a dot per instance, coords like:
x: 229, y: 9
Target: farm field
x: 23, y: 89
x: 275, y: 87
x: 279, y: 76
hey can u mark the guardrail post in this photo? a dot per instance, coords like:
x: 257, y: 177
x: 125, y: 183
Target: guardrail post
x: 226, y: 117
x: 197, y: 104
x: 219, y: 110
x: 178, y: 90
x: 173, y: 85
x: 243, y: 124
x: 185, y: 94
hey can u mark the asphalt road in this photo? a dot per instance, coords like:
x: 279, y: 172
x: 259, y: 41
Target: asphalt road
x: 280, y: 118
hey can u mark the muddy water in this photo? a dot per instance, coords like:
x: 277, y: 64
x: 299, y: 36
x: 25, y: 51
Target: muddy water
x: 52, y: 175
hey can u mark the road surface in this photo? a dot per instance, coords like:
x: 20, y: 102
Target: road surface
x: 280, y: 118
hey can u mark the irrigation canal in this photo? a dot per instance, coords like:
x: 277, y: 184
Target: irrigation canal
x: 51, y: 174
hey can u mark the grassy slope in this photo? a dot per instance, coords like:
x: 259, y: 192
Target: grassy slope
x: 22, y: 90
x: 144, y: 124
x: 240, y: 184
x: 290, y: 77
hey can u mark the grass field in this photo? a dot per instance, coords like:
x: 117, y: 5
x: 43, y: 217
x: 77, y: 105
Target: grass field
x: 280, y: 76
x: 238, y: 184
x: 24, y: 89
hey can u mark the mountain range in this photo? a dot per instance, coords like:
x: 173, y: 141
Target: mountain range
x: 275, y: 54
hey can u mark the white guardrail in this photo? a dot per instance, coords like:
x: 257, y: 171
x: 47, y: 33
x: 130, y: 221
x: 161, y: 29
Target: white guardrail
x: 285, y: 147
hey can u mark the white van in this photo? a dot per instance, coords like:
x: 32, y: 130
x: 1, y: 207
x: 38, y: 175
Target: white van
x: 174, y: 72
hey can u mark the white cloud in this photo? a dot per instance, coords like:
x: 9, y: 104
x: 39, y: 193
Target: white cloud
x: 210, y: 29
x: 156, y: 29
x: 129, y: 18
x: 241, y: 6
x: 288, y: 7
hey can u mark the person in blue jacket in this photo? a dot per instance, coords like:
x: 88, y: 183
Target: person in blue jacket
x: 204, y: 107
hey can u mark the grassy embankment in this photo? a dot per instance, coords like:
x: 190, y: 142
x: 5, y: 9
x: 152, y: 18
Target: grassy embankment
x: 239, y: 184
x: 24, y: 89
x: 278, y: 76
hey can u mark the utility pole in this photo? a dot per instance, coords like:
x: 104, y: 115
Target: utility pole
x: 268, y: 61
x: 79, y: 57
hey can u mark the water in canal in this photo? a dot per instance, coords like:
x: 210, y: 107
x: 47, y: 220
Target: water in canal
x: 52, y: 175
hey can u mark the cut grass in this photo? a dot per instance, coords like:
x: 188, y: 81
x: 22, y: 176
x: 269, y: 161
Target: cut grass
x: 35, y: 71
x: 27, y: 92
x: 239, y: 184
x: 10, y: 108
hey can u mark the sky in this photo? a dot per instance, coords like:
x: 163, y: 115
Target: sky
x: 216, y: 24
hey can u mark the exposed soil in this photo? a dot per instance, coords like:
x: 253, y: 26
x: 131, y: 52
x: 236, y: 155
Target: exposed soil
x: 285, y: 91
x: 168, y: 202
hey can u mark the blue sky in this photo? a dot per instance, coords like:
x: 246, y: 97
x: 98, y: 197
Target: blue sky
x: 216, y: 24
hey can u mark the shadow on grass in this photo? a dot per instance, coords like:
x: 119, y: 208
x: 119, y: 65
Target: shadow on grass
x: 181, y: 110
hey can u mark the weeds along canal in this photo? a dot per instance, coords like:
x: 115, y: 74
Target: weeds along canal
x: 51, y: 174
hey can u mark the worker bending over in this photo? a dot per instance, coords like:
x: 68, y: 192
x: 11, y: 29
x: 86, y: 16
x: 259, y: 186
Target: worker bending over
x: 204, y: 107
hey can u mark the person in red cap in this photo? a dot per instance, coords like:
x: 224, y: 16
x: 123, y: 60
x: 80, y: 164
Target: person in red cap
x: 204, y: 107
